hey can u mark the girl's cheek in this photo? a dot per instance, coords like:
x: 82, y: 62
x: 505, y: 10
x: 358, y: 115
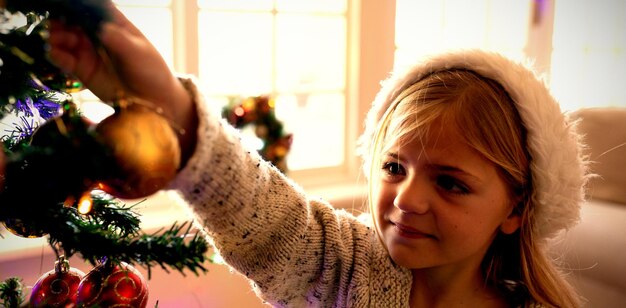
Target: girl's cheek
x: 382, y: 197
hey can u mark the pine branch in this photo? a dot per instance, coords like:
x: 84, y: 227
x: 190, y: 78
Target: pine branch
x: 50, y: 165
x: 12, y: 292
x: 109, y: 214
x: 113, y: 232
x: 58, y: 165
x: 175, y: 248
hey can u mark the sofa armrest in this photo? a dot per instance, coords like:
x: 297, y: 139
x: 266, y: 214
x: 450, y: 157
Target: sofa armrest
x: 604, y: 133
x: 593, y: 252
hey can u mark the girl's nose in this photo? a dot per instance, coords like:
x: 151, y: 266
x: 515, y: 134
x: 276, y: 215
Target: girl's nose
x: 414, y: 196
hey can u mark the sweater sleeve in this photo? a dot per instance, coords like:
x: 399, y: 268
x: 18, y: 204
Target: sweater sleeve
x: 297, y: 251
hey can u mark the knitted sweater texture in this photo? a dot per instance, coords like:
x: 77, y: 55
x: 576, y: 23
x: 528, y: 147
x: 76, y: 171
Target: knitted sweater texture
x: 297, y: 251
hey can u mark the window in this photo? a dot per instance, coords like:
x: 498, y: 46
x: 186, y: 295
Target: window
x: 578, y: 46
x: 424, y: 27
x: 589, y: 56
x: 155, y: 20
x: 294, y: 50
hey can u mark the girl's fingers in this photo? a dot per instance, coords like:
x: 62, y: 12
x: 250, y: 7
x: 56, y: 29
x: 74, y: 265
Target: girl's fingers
x: 64, y: 60
x: 71, y: 51
x: 62, y: 37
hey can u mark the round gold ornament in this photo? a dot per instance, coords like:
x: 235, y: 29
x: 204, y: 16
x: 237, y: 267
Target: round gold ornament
x: 22, y: 229
x: 144, y: 151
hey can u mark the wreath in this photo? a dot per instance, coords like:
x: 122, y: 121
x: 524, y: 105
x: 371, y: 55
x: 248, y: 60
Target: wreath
x: 258, y: 112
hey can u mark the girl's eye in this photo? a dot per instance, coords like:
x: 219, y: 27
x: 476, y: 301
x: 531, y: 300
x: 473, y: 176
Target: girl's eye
x: 393, y: 168
x: 452, y: 185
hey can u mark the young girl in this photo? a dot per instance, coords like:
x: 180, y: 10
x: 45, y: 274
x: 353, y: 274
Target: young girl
x: 471, y: 166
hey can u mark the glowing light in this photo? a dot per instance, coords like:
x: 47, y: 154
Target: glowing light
x: 239, y: 111
x: 69, y: 201
x: 248, y: 104
x: 85, y: 204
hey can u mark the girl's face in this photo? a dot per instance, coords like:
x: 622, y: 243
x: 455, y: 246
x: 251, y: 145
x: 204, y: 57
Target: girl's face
x: 438, y: 203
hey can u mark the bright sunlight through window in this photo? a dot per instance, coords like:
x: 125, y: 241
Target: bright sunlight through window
x: 424, y: 27
x: 589, y: 57
x: 292, y: 50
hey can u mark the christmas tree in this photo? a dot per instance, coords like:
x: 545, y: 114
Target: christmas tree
x: 62, y: 176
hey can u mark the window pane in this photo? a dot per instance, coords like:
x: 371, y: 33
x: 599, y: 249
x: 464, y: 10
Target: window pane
x: 425, y: 27
x: 311, y: 6
x: 236, y: 4
x: 317, y: 124
x: 236, y: 52
x: 156, y: 24
x: 464, y: 24
x: 310, y: 53
x: 507, y: 32
x: 143, y: 2
x: 589, y: 57
x: 418, y: 28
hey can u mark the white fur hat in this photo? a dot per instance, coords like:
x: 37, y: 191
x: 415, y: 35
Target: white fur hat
x: 558, y: 169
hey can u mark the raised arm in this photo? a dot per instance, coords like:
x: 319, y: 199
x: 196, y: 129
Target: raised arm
x: 127, y: 62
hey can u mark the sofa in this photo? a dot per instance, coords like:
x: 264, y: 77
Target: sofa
x: 594, y: 251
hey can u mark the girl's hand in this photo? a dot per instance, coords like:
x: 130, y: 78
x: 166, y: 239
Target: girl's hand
x: 126, y: 62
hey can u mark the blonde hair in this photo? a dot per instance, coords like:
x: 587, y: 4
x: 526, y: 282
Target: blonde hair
x: 515, y: 264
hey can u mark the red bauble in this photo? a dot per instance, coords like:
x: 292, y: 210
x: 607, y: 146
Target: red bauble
x: 58, y: 287
x: 113, y: 285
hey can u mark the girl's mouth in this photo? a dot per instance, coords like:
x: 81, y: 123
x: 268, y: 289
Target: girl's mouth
x: 410, y: 232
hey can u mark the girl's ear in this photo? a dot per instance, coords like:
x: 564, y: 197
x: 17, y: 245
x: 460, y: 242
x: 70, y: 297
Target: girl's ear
x: 511, y: 223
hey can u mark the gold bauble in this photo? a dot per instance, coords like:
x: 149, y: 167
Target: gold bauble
x: 19, y: 228
x: 144, y: 150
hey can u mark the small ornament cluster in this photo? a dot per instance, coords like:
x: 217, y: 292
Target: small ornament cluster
x: 258, y: 111
x: 106, y: 285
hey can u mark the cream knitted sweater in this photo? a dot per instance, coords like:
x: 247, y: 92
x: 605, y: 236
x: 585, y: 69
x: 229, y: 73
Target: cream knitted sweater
x: 298, y: 252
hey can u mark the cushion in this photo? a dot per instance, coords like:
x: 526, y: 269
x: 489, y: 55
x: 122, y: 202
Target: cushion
x: 604, y: 132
